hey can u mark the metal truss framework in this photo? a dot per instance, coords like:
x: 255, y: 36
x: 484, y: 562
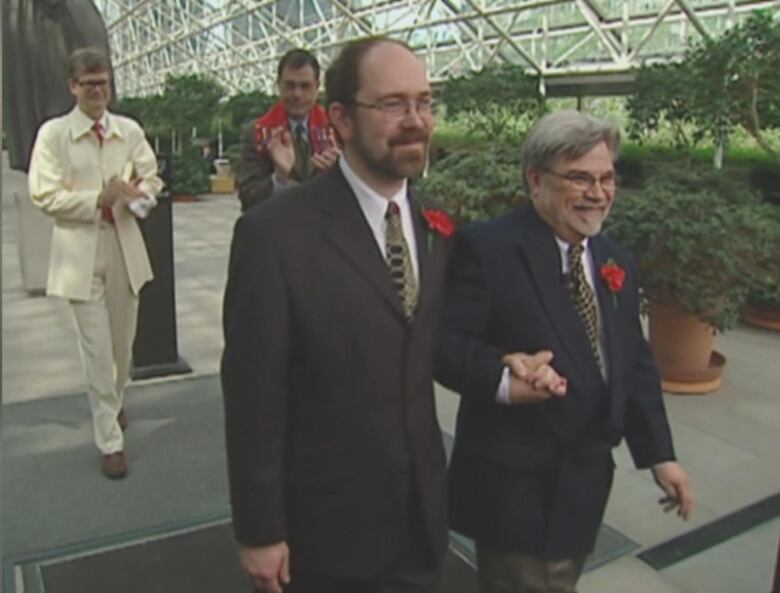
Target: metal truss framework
x: 239, y: 42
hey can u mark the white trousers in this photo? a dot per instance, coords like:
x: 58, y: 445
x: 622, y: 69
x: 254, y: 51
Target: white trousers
x: 106, y: 325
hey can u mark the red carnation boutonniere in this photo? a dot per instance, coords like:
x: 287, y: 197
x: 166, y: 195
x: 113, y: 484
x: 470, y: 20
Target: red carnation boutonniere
x: 614, y: 276
x: 439, y: 223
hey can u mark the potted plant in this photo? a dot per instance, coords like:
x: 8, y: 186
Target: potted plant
x: 190, y: 175
x: 693, y: 233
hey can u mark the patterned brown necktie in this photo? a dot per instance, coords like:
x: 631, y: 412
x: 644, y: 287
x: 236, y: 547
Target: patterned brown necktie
x: 399, y: 260
x: 105, y: 211
x: 582, y: 298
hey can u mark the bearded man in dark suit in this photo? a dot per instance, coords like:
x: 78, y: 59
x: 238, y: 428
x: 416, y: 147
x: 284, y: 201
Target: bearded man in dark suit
x: 332, y: 308
x: 532, y: 468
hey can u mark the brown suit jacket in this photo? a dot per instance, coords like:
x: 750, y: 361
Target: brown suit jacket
x: 330, y: 421
x: 255, y: 171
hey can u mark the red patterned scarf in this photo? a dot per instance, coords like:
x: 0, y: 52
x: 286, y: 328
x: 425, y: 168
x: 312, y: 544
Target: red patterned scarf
x: 319, y: 128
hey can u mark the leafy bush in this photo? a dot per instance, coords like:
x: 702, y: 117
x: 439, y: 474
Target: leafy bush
x: 190, y: 173
x: 765, y: 292
x: 722, y: 84
x: 499, y: 102
x: 239, y: 109
x: 475, y: 185
x: 697, y: 240
x: 190, y: 101
x: 148, y: 111
x: 187, y: 102
x: 662, y: 97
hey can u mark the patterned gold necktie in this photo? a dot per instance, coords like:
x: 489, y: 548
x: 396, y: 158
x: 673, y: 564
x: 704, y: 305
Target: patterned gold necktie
x: 399, y: 260
x: 582, y: 298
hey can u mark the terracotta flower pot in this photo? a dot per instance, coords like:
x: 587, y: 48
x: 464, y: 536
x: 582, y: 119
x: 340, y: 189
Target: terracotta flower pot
x: 683, y: 349
x: 183, y: 197
x: 762, y: 317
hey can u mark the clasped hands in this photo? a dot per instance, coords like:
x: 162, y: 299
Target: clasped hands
x: 118, y: 190
x: 280, y: 149
x: 532, y: 379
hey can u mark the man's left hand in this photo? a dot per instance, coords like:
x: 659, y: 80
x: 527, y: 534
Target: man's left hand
x: 326, y: 159
x: 673, y: 480
x: 128, y: 192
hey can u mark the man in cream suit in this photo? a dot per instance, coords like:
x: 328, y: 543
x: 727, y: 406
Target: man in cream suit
x: 95, y: 173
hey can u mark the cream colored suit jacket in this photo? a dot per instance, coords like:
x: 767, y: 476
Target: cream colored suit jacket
x: 68, y: 170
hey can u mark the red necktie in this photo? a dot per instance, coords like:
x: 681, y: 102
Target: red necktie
x: 105, y: 211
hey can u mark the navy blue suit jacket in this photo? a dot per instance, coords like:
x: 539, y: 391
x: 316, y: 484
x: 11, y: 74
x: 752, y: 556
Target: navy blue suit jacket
x: 535, y: 478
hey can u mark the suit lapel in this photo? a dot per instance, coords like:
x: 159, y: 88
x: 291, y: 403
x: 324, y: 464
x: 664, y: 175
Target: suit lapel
x: 424, y: 255
x: 348, y: 231
x: 542, y: 257
x: 607, y: 304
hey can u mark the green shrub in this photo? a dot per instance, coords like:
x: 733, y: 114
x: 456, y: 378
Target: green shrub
x: 475, y: 185
x: 500, y: 102
x: 697, y: 239
x: 190, y: 173
x: 765, y: 291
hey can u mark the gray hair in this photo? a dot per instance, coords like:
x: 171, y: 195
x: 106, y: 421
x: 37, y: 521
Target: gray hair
x: 568, y: 135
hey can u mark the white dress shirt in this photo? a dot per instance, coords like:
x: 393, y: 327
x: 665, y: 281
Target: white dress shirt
x: 374, y: 207
x: 502, y: 396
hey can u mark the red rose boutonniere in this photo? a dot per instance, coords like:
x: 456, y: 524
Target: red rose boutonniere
x: 438, y: 222
x: 614, y: 276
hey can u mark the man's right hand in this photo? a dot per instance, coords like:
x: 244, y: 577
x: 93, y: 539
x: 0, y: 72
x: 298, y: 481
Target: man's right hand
x: 280, y: 149
x: 268, y: 567
x: 112, y: 192
x: 532, y: 379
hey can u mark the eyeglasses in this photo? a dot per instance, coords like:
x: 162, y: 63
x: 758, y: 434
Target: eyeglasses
x: 289, y: 86
x: 93, y: 84
x: 400, y: 108
x: 582, y: 181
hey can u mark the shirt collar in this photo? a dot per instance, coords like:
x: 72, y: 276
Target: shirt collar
x: 294, y: 122
x: 81, y: 124
x: 372, y: 204
x: 563, y: 246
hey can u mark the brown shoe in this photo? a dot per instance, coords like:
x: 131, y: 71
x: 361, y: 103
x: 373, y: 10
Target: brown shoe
x: 114, y: 465
x: 122, y: 419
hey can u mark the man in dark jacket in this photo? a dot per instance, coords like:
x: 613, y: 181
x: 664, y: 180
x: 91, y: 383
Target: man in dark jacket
x: 531, y: 470
x: 291, y: 142
x: 332, y: 309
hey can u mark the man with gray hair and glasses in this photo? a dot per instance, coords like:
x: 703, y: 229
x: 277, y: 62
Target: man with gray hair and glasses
x: 532, y: 467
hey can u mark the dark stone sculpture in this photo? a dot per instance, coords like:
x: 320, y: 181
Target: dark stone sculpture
x: 38, y: 37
